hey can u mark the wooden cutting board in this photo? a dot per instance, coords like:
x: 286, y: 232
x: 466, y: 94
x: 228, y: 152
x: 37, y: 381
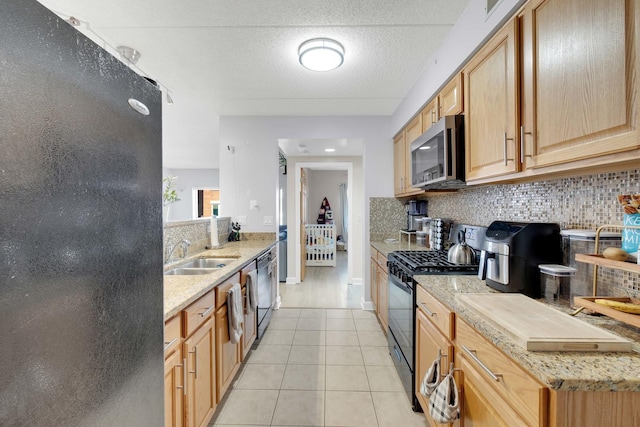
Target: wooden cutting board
x: 536, y: 326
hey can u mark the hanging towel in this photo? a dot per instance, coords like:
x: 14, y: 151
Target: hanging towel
x: 234, y: 312
x: 252, y: 291
x: 431, y: 379
x: 444, y: 406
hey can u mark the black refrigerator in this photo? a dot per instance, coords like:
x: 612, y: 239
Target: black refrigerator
x: 81, y: 313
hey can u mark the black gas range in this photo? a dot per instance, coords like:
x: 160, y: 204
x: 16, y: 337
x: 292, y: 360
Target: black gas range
x: 427, y: 262
x: 402, y: 267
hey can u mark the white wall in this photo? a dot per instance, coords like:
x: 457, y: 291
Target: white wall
x: 251, y: 173
x: 467, y: 35
x: 323, y: 183
x: 189, y: 179
x: 283, y: 185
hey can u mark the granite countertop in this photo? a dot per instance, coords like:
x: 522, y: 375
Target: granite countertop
x: 180, y: 291
x: 588, y: 371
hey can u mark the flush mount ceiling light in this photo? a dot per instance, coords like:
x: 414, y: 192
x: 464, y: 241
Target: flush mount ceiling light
x: 321, y: 54
x: 330, y: 150
x: 129, y: 53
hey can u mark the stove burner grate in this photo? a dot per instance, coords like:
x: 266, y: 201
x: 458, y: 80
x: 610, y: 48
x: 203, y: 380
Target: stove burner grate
x: 430, y: 262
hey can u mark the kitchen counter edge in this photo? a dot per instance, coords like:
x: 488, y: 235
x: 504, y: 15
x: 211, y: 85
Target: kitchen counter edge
x: 584, y: 371
x: 180, y: 291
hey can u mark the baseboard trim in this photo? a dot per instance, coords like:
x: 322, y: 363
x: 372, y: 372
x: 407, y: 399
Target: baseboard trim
x: 291, y: 281
x: 366, y: 305
x: 357, y: 281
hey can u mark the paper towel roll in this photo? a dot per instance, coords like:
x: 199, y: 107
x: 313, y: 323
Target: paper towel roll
x: 214, y: 232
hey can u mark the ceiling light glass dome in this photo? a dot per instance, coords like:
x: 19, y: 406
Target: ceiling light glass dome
x: 321, y: 54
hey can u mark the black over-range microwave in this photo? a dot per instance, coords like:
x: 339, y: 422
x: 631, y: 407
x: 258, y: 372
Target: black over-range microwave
x: 437, y: 156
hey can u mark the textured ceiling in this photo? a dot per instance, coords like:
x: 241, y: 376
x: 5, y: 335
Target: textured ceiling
x: 239, y: 57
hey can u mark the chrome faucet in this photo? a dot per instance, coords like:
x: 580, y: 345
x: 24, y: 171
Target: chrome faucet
x: 170, y: 249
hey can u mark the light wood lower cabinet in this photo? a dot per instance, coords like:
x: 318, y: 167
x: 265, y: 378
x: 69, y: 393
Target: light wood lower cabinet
x: 373, y: 275
x: 481, y: 406
x: 227, y: 353
x: 430, y: 344
x: 379, y: 287
x: 250, y: 325
x: 383, y: 298
x: 525, y: 394
x: 200, y: 399
x: 174, y: 379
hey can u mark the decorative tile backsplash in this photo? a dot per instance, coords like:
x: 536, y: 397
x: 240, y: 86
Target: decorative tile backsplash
x: 197, y: 232
x: 583, y: 202
x: 386, y: 218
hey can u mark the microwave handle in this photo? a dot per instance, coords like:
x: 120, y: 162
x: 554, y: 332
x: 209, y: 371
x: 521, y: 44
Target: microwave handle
x: 482, y: 268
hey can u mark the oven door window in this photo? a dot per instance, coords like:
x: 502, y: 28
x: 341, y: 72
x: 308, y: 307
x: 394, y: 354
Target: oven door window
x: 401, y: 316
x: 428, y: 160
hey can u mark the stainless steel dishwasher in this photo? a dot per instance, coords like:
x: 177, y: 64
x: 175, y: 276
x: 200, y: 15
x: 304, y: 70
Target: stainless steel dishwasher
x: 265, y: 297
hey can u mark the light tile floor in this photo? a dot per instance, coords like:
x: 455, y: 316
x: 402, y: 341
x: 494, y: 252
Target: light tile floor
x: 324, y: 287
x: 319, y: 367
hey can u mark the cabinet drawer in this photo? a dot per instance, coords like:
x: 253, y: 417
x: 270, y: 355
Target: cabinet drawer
x: 222, y: 288
x: 525, y: 394
x: 441, y: 316
x: 198, y: 313
x: 374, y: 253
x: 382, y: 261
x: 172, y: 334
x: 245, y: 272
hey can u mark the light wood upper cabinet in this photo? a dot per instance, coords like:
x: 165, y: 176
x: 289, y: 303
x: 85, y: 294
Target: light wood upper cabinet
x: 450, y: 98
x: 579, y: 68
x: 429, y: 114
x: 399, y: 159
x: 402, y: 162
x: 491, y: 106
x: 413, y: 130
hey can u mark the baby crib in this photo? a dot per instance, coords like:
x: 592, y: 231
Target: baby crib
x: 321, y: 245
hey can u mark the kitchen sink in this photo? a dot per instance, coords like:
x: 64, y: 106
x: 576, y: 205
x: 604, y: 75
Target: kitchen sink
x: 208, y: 262
x: 182, y: 271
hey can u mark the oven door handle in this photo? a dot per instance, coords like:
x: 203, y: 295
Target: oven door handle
x: 402, y: 286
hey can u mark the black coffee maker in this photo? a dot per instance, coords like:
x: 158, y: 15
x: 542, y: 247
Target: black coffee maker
x: 416, y: 211
x: 512, y: 252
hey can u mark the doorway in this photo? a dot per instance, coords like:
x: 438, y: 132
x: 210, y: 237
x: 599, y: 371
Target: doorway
x: 322, y: 285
